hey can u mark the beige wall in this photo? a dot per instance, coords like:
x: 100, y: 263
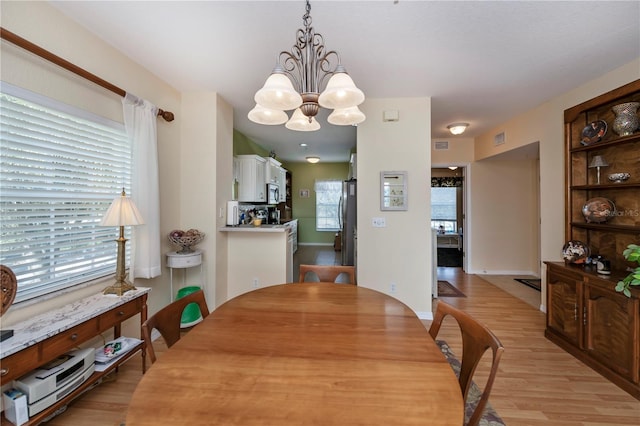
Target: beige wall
x: 43, y: 25
x: 401, y: 252
x: 545, y: 124
x: 460, y: 152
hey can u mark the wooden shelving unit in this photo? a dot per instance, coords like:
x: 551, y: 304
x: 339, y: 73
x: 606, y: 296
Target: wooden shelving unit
x: 585, y: 315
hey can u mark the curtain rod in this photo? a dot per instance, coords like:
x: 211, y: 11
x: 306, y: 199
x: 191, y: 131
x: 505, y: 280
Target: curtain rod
x: 45, y: 54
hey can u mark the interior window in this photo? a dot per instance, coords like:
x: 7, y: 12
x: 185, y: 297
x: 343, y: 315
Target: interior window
x: 328, y: 193
x: 60, y: 168
x: 443, y: 209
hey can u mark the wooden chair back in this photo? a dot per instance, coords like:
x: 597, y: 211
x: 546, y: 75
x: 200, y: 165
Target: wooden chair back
x: 476, y: 340
x: 167, y: 321
x: 328, y: 273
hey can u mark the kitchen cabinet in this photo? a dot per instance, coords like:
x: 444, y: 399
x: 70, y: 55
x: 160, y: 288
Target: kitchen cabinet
x: 251, y: 178
x: 282, y: 183
x: 590, y: 320
x: 272, y: 171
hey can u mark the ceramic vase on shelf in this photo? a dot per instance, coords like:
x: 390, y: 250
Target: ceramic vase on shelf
x: 626, y: 121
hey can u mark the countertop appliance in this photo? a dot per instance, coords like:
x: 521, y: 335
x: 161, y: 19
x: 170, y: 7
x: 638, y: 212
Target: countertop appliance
x: 273, y: 193
x: 348, y: 217
x: 233, y: 213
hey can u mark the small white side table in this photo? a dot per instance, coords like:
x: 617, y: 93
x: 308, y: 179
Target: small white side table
x: 177, y: 260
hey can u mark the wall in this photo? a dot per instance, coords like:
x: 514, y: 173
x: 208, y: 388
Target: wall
x: 401, y: 252
x: 43, y: 25
x: 206, y: 184
x: 304, y: 176
x: 545, y: 124
x: 503, y: 212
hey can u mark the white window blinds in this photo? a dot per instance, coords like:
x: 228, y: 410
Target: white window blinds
x: 328, y: 194
x: 60, y: 168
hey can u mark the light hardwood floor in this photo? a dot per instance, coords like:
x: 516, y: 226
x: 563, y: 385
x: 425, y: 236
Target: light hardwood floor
x: 537, y: 384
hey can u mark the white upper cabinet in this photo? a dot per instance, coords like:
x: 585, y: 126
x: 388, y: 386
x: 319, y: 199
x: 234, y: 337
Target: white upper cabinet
x: 251, y: 171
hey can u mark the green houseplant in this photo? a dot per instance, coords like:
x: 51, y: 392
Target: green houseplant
x: 632, y: 254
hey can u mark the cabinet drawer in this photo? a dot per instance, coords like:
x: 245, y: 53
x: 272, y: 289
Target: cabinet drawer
x: 18, y: 364
x: 69, y: 339
x: 119, y: 314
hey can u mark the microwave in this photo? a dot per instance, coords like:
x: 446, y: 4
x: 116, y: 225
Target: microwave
x: 273, y: 193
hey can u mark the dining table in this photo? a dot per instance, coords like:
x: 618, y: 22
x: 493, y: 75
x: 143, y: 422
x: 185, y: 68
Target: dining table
x: 302, y: 354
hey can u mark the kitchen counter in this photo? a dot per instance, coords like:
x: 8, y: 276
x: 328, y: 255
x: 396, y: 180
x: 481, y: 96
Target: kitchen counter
x: 251, y: 228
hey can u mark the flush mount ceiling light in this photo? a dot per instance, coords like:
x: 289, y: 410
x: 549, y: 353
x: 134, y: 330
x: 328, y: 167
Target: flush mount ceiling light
x: 295, y: 83
x: 313, y: 160
x: 457, y: 128
x: 452, y: 167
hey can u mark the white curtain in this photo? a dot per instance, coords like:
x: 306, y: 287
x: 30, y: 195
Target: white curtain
x: 140, y: 122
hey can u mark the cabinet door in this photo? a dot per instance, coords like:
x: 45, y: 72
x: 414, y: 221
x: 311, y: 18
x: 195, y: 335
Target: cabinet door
x: 564, y: 310
x: 612, y: 330
x: 282, y: 183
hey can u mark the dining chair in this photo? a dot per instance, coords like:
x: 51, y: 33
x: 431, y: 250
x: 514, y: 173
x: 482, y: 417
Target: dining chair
x: 328, y: 273
x: 167, y: 321
x: 476, y: 340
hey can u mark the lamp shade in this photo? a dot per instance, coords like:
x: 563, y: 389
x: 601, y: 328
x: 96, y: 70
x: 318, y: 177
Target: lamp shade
x: 270, y: 117
x: 122, y: 212
x: 598, y: 161
x: 301, y: 123
x: 346, y: 116
x: 278, y: 93
x: 341, y: 92
x: 457, y: 128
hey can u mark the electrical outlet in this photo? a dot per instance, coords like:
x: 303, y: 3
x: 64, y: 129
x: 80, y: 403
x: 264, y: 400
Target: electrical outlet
x: 255, y: 283
x: 393, y: 288
x: 378, y: 222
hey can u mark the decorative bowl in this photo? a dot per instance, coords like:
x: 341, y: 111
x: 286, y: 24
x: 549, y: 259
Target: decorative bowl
x: 619, y: 177
x: 186, y: 239
x: 598, y: 210
x: 575, y: 251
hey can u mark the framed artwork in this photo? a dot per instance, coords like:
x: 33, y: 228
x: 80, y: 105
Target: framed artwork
x: 393, y: 191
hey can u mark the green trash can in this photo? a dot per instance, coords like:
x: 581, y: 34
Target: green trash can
x: 191, y: 314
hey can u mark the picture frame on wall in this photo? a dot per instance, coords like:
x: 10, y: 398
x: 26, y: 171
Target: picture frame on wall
x: 393, y: 191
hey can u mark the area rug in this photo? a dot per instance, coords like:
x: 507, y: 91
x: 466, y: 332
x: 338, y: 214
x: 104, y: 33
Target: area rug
x: 531, y: 282
x: 446, y: 289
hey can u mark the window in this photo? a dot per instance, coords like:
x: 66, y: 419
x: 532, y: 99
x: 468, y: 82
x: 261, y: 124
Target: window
x: 328, y: 194
x: 60, y: 168
x: 443, y: 209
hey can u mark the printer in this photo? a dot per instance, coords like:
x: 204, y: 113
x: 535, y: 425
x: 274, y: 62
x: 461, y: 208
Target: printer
x: 53, y: 381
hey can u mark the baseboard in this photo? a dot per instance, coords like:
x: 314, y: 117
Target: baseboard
x: 425, y: 315
x: 503, y: 272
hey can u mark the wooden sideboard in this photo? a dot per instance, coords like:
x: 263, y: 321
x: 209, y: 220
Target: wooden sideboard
x: 590, y: 320
x: 43, y: 338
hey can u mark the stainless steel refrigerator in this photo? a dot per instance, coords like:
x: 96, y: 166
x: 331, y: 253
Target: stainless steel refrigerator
x: 348, y: 223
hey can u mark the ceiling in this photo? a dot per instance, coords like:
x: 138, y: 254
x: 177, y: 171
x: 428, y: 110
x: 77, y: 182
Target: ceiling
x: 481, y: 62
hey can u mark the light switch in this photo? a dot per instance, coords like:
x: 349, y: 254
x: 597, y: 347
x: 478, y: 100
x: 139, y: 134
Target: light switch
x: 378, y: 222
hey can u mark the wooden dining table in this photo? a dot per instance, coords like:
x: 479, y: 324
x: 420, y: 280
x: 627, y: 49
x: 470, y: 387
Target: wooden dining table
x: 302, y: 354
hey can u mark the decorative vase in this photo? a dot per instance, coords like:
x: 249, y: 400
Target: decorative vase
x: 626, y: 121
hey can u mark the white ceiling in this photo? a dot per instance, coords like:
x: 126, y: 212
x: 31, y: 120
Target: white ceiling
x: 481, y: 62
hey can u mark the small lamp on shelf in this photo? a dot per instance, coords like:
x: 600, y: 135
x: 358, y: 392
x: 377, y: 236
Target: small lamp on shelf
x: 597, y: 162
x: 122, y: 212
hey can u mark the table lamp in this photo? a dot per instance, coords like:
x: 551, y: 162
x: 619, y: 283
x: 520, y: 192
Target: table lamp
x: 122, y: 212
x: 597, y: 162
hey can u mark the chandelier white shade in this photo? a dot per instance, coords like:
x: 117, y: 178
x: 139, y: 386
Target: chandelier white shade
x: 302, y: 123
x: 341, y: 92
x: 346, y: 116
x: 296, y: 80
x: 269, y: 117
x: 278, y: 93
x: 457, y: 128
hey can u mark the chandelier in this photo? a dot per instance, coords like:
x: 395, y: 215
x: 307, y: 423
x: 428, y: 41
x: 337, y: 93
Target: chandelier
x: 295, y: 83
